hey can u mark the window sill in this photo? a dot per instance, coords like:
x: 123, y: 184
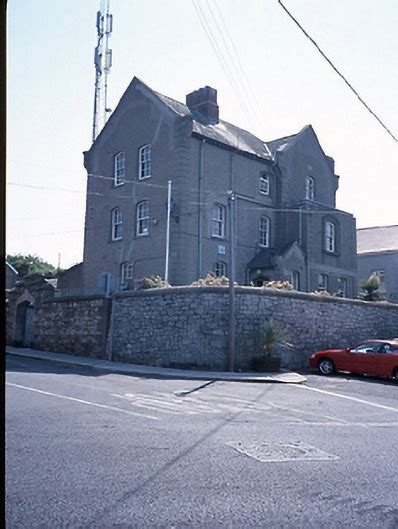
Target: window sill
x: 140, y: 178
x: 119, y: 184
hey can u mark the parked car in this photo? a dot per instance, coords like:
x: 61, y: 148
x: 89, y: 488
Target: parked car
x: 373, y: 357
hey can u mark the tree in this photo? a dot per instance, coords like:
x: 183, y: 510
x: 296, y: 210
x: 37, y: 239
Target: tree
x: 370, y: 288
x: 36, y: 264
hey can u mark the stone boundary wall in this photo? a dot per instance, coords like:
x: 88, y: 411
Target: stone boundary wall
x: 77, y: 325
x: 187, y: 326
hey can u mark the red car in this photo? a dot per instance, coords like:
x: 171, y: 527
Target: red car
x: 373, y: 357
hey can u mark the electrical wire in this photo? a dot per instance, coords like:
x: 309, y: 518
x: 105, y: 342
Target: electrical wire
x: 338, y: 72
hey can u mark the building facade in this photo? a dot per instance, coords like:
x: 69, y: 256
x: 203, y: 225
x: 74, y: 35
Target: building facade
x: 277, y: 198
x: 378, y: 254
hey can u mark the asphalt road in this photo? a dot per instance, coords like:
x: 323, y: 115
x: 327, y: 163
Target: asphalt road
x: 85, y: 448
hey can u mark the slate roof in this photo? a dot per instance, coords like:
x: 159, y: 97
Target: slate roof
x: 274, y: 145
x: 263, y: 259
x: 222, y: 132
x: 377, y: 239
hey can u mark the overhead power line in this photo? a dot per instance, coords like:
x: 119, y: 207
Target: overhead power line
x: 338, y: 72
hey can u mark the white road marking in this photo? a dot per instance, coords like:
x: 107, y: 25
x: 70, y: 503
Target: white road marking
x: 83, y: 401
x: 341, y: 396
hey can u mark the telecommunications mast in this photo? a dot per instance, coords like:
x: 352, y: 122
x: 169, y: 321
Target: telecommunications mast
x: 103, y: 63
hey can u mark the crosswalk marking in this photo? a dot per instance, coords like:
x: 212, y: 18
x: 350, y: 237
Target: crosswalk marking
x: 191, y: 405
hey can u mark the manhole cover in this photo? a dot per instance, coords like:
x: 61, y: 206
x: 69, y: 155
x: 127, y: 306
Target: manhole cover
x: 279, y: 452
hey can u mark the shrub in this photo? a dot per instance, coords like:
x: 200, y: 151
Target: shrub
x: 280, y: 285
x: 211, y: 281
x: 152, y: 281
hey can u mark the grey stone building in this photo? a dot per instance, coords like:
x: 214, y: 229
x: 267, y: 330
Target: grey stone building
x: 279, y: 198
x: 378, y: 254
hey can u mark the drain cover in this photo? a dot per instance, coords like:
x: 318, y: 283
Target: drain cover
x: 279, y: 452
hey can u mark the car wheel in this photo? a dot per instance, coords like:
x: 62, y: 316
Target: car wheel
x: 395, y: 377
x: 326, y: 367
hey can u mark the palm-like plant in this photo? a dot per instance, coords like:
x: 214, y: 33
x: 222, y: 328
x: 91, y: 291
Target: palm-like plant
x: 273, y: 334
x: 370, y: 288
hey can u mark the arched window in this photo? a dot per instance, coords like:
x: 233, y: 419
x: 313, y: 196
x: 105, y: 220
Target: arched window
x: 116, y: 224
x: 309, y: 188
x: 264, y: 184
x: 145, y: 162
x: 330, y: 236
x: 119, y: 171
x: 323, y: 282
x: 142, y: 218
x: 264, y: 232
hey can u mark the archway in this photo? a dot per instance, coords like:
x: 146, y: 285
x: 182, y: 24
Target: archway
x: 23, y: 326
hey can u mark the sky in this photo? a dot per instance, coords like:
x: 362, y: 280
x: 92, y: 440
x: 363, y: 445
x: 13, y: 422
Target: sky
x: 278, y: 84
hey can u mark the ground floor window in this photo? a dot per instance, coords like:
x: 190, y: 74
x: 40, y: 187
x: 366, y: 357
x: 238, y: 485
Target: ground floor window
x: 342, y: 287
x: 220, y: 269
x: 295, y: 280
x: 126, y: 274
x: 323, y: 282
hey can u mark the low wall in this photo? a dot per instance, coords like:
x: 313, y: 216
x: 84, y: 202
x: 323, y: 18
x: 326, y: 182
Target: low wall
x: 76, y: 325
x: 188, y: 326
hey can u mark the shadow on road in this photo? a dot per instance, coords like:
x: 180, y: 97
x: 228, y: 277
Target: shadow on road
x: 349, y: 376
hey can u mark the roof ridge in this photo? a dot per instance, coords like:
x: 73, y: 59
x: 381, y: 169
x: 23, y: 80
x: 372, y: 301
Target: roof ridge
x: 378, y: 227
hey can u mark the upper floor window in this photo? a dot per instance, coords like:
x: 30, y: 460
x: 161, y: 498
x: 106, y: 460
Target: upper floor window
x: 126, y: 273
x: 264, y: 232
x: 330, y: 236
x: 117, y: 224
x: 309, y: 188
x: 218, y: 221
x: 264, y: 184
x: 323, y: 282
x: 119, y: 172
x: 219, y: 269
x: 145, y: 163
x: 342, y: 287
x: 143, y: 218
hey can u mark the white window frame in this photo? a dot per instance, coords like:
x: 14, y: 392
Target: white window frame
x: 126, y: 273
x: 116, y: 224
x: 119, y: 169
x: 309, y: 188
x: 323, y: 282
x: 220, y: 269
x: 342, y: 286
x: 264, y: 184
x: 264, y: 232
x: 142, y: 218
x: 330, y: 236
x: 218, y: 221
x: 145, y: 162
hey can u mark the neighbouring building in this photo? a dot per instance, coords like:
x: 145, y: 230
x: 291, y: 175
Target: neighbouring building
x: 12, y: 276
x: 281, y: 195
x: 378, y: 254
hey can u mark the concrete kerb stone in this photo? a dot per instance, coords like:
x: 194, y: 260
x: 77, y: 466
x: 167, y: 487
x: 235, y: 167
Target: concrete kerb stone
x: 283, y: 377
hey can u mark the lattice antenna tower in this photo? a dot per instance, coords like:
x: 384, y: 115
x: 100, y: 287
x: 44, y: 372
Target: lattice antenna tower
x: 103, y: 63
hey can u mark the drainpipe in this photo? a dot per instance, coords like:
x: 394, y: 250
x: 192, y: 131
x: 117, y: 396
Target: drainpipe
x: 200, y: 216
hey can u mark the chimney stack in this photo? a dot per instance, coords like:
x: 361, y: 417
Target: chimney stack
x: 204, y: 102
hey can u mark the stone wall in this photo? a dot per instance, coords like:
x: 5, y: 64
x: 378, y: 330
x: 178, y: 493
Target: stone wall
x: 77, y: 325
x: 189, y: 326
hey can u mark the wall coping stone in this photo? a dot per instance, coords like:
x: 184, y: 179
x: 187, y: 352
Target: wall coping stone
x: 256, y: 291
x: 64, y: 299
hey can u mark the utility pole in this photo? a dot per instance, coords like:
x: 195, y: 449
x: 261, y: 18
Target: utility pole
x: 231, y: 289
x: 103, y: 63
x: 166, y: 268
